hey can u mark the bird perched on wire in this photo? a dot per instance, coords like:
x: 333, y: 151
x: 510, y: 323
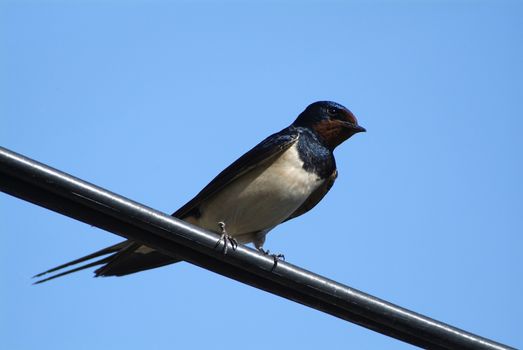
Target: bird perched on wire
x: 282, y: 177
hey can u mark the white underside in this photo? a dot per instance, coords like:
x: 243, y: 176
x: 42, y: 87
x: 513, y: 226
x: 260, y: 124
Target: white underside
x: 260, y: 199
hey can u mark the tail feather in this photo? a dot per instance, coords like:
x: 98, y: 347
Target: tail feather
x: 86, y: 266
x: 134, y: 258
x: 125, y: 258
x: 112, y: 249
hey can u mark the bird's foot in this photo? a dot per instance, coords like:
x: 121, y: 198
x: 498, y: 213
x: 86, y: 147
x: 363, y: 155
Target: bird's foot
x: 275, y: 257
x: 226, y: 238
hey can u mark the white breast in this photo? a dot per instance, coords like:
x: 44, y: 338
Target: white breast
x: 261, y: 198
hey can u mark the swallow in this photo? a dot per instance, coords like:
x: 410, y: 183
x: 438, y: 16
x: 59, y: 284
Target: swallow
x: 281, y: 178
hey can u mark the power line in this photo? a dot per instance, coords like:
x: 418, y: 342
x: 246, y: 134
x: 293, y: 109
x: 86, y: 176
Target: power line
x: 50, y: 188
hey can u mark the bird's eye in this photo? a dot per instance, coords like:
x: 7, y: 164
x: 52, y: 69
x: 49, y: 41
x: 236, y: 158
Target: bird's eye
x: 332, y: 111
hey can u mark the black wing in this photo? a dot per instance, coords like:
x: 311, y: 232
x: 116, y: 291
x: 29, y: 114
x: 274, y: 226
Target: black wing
x: 315, y: 196
x: 265, y: 151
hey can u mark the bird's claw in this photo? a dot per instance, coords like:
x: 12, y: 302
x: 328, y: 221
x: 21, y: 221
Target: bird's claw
x: 226, y: 238
x: 276, y: 257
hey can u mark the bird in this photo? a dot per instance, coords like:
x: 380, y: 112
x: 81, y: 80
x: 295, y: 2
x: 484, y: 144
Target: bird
x: 282, y: 177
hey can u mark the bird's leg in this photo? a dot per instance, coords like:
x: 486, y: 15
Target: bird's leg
x: 226, y: 239
x: 275, y: 257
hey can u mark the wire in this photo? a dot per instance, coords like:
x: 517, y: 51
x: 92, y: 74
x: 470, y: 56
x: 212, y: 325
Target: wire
x: 50, y: 188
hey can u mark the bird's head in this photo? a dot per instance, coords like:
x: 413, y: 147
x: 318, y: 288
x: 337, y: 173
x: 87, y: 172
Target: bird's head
x: 332, y: 122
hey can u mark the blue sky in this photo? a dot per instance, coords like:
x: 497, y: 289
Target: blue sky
x: 152, y: 99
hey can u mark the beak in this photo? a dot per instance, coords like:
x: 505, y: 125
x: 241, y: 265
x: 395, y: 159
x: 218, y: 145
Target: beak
x: 354, y: 127
x: 358, y: 128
